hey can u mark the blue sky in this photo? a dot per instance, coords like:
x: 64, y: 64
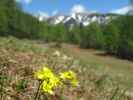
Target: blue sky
x: 51, y: 7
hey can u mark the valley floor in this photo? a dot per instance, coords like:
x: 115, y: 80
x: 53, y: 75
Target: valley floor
x: 119, y: 69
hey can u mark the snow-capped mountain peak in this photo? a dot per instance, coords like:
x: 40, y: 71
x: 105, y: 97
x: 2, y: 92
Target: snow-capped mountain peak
x: 79, y: 18
x: 59, y: 19
x: 83, y: 17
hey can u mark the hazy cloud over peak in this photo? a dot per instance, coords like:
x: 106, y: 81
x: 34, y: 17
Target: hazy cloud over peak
x: 78, y: 9
x: 123, y: 10
x: 45, y: 14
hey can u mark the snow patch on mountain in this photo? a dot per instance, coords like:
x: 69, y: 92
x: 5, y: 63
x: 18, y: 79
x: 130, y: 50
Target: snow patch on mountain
x: 79, y: 18
x: 59, y: 19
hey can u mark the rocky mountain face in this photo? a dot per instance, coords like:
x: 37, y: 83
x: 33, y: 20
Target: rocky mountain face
x: 85, y: 18
x: 79, y: 18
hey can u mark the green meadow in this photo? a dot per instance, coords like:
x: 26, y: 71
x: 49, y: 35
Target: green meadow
x: 100, y: 76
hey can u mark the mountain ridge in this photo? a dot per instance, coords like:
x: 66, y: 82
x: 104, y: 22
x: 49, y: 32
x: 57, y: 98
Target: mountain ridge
x: 85, y: 18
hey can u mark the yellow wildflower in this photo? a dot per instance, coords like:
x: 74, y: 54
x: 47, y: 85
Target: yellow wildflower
x: 49, y: 84
x: 69, y: 75
x: 46, y: 87
x: 50, y: 81
x: 44, y: 73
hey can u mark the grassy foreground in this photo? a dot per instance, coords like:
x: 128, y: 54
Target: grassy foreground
x: 100, y: 77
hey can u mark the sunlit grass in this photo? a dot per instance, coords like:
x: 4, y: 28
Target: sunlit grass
x: 119, y: 69
x: 19, y: 63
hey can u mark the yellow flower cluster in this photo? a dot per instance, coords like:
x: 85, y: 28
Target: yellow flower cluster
x: 69, y: 75
x: 50, y: 84
x: 51, y: 81
x: 44, y: 73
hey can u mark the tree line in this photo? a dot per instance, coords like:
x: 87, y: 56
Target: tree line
x: 14, y: 21
x: 115, y: 37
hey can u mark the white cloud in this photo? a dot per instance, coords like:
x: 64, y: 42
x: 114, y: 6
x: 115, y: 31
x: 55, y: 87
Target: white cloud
x: 43, y: 15
x: 55, y: 12
x: 78, y: 9
x: 123, y: 10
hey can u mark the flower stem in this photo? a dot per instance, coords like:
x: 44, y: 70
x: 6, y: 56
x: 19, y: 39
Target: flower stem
x: 37, y: 93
